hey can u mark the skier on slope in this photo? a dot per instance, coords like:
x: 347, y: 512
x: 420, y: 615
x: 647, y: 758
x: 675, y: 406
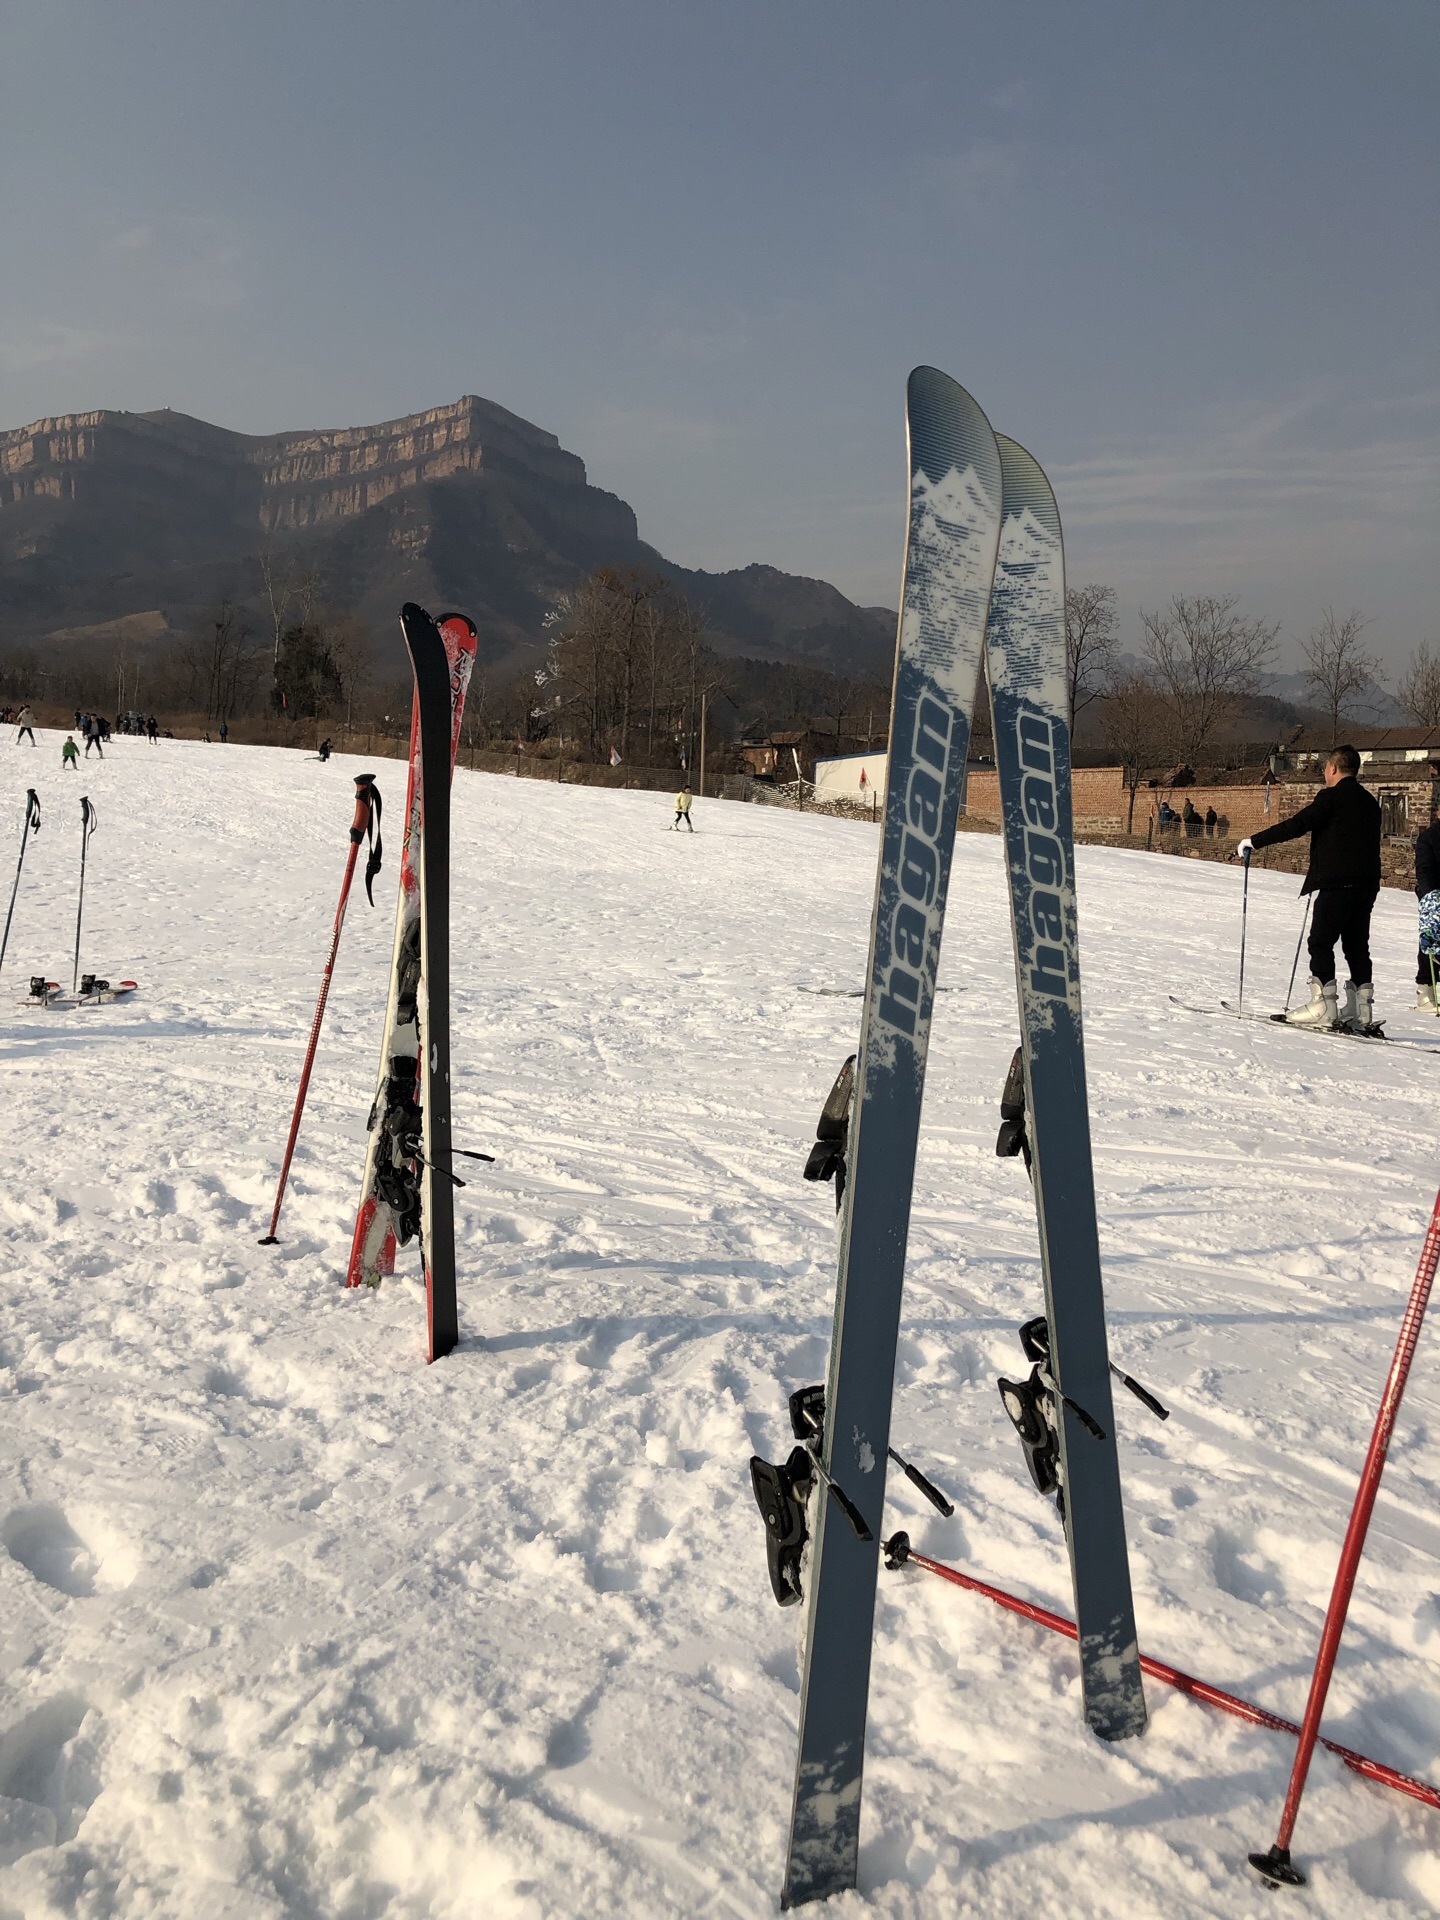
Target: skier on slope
x: 25, y: 723
x: 1343, y: 822
x: 1427, y: 892
x: 70, y: 754
x: 682, y: 811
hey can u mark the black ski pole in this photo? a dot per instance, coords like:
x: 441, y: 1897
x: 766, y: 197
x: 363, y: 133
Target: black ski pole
x: 1244, y: 915
x: 88, y: 823
x: 1295, y: 963
x: 32, y: 825
x: 928, y: 1487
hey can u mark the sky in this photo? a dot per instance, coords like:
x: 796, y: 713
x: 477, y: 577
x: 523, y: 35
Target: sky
x: 1186, y: 253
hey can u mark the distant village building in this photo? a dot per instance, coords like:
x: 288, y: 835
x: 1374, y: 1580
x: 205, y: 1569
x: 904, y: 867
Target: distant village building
x: 853, y: 776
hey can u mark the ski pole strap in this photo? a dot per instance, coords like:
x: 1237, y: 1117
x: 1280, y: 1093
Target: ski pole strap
x: 32, y: 812
x: 89, y: 818
x: 366, y: 826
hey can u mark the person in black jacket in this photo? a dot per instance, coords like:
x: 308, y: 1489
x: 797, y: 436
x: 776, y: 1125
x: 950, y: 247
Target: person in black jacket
x: 1343, y: 822
x: 1427, y: 879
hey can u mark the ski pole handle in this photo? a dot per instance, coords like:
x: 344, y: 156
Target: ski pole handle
x: 1142, y: 1394
x: 917, y: 1479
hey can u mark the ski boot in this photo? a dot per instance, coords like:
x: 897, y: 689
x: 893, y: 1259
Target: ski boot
x: 782, y: 1494
x: 1358, y: 1013
x: 1425, y: 997
x: 832, y: 1134
x: 1322, y: 1010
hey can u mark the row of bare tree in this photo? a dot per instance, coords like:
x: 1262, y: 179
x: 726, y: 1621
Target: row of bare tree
x: 1202, y: 663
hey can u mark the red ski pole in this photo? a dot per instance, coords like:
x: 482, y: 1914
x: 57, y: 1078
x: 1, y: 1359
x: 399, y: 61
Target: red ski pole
x: 367, y: 818
x: 899, y: 1553
x: 1275, y: 1866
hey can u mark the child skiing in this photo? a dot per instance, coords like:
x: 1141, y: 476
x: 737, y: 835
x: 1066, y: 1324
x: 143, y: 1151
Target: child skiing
x: 24, y: 723
x: 1427, y: 892
x: 70, y: 754
x: 682, y: 811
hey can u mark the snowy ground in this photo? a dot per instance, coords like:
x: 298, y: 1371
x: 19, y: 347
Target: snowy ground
x: 291, y: 1624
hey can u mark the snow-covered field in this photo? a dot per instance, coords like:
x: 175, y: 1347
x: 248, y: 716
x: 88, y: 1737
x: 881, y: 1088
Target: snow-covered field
x: 291, y: 1624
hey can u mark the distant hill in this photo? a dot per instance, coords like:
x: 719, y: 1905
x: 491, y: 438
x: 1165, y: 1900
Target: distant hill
x: 107, y: 516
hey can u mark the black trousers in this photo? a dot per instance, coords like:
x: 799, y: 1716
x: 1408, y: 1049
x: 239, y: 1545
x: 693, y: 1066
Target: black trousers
x: 1427, y: 967
x: 1343, y: 914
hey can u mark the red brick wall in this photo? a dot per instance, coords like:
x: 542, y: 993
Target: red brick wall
x: 1101, y: 799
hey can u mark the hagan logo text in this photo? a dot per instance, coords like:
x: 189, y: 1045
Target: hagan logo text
x: 919, y: 867
x: 1049, y: 960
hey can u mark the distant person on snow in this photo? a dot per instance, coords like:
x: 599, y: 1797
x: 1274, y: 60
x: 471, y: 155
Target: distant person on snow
x: 1343, y: 822
x: 1427, y: 892
x: 93, y: 737
x: 224, y: 731
x: 325, y: 749
x: 152, y: 729
x: 25, y: 722
x: 682, y: 811
x: 70, y: 754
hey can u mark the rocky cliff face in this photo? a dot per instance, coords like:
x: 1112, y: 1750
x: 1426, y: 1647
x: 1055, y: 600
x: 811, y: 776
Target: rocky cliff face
x: 106, y: 514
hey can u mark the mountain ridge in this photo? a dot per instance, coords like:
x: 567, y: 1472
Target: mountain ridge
x: 107, y: 514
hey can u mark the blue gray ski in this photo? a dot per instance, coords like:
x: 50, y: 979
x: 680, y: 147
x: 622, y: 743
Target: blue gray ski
x: 1025, y: 653
x: 949, y: 564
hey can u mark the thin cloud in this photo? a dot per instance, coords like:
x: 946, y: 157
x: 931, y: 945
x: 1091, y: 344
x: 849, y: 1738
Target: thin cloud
x: 53, y: 343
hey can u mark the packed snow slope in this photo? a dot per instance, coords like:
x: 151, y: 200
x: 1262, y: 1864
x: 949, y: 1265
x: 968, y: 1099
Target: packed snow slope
x: 293, y: 1624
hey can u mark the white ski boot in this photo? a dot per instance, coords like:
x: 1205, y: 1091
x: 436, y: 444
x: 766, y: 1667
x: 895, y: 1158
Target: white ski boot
x: 1425, y: 997
x: 1358, y: 1013
x: 1321, y: 1012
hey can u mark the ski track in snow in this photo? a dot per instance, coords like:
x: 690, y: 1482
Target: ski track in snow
x: 291, y: 1624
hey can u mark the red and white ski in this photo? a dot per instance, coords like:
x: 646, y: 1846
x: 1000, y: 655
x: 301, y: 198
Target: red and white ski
x: 390, y: 1199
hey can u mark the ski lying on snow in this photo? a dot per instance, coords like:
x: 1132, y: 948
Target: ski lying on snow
x: 949, y: 565
x: 1319, y: 1033
x: 1025, y: 656
x: 398, y: 1173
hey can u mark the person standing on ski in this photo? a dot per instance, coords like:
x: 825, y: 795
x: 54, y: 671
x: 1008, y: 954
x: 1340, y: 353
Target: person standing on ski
x: 1343, y: 822
x: 93, y: 737
x: 25, y: 723
x: 70, y: 754
x: 682, y: 811
x: 1427, y: 892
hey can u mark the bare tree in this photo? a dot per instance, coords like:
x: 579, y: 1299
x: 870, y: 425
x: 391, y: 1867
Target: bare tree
x: 1136, y: 723
x: 220, y: 666
x: 1418, y: 690
x: 1092, y: 643
x: 1339, y: 667
x: 291, y: 591
x: 1204, y: 660
x: 628, y: 653
x: 348, y: 639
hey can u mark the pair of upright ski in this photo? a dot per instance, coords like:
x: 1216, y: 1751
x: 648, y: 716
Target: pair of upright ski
x: 408, y: 1186
x: 984, y: 577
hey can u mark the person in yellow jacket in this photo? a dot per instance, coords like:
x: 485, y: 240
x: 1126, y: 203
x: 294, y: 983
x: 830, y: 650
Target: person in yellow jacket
x: 682, y: 811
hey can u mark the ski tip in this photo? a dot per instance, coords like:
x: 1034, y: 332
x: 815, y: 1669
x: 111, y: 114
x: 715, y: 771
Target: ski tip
x: 1026, y: 488
x: 464, y: 619
x: 949, y: 431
